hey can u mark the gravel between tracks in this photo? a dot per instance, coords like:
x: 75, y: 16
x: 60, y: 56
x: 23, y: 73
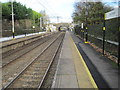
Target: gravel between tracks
x: 23, y: 50
x: 10, y: 71
x: 50, y: 76
x: 8, y: 53
x: 34, y: 73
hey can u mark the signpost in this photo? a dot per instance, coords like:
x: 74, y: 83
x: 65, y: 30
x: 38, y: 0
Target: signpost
x: 110, y: 15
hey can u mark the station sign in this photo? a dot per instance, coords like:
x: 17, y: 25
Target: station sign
x: 112, y: 14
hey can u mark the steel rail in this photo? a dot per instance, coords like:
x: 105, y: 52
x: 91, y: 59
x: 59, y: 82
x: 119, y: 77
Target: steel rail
x: 42, y: 81
x: 23, y: 54
x: 21, y: 41
x: 40, y: 37
x: 10, y: 83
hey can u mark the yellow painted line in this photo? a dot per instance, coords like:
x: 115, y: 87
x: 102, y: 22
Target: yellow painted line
x: 86, y: 42
x: 89, y: 74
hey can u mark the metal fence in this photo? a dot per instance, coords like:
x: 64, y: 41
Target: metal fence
x: 95, y: 35
x: 7, y: 33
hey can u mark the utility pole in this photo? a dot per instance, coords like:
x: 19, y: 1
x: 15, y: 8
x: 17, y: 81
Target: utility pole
x: 40, y: 22
x: 13, y: 31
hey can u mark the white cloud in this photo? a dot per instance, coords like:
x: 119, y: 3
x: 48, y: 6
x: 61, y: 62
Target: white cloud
x: 62, y: 8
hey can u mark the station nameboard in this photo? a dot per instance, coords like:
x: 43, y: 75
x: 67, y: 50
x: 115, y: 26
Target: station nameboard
x: 112, y: 14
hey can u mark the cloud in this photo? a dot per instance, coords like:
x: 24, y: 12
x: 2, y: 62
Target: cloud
x: 62, y: 8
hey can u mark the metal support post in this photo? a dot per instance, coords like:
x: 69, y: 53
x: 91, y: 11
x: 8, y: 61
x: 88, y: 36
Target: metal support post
x: 86, y: 35
x: 13, y: 31
x: 104, y: 37
x: 119, y: 46
x: 26, y: 15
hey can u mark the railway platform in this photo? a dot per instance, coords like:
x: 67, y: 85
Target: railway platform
x: 75, y: 64
x: 80, y: 66
x: 72, y: 71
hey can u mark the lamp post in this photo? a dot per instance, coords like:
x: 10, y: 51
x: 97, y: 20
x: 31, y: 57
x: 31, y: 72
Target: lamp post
x: 26, y: 23
x: 104, y: 28
x: 86, y: 28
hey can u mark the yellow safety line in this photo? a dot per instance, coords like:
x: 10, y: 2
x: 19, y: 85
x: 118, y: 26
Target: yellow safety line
x: 86, y: 42
x: 89, y: 74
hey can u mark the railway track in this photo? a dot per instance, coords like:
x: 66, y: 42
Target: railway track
x: 50, y: 75
x: 12, y: 69
x: 33, y: 75
x: 8, y: 53
x: 11, y: 57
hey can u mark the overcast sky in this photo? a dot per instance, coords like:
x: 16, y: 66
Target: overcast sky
x: 61, y: 8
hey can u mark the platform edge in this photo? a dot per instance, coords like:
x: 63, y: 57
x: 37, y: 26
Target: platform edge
x: 89, y: 74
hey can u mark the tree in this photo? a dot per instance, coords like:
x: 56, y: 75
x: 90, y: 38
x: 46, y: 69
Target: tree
x: 20, y: 11
x: 93, y: 11
x: 6, y: 11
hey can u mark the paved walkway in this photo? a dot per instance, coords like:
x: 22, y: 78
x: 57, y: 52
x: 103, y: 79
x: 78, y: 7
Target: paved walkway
x: 72, y: 71
x: 102, y: 69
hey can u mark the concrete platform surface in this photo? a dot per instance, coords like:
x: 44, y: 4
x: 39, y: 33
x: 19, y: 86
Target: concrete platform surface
x: 105, y: 74
x: 72, y: 71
